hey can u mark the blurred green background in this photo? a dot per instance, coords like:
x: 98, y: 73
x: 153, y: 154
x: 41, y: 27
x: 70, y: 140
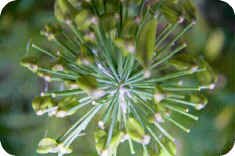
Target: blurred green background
x: 20, y: 130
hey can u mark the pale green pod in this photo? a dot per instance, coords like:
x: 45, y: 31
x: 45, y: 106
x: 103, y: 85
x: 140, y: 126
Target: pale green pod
x: 62, y: 149
x: 31, y: 63
x: 135, y: 130
x: 159, y: 94
x: 200, y: 101
x: 87, y: 83
x: 42, y: 104
x: 189, y: 10
x: 146, y: 43
x: 171, y: 11
x: 100, y: 140
x: 47, y: 145
x: 180, y: 65
x: 66, y: 107
x: 170, y: 148
x: 125, y: 46
x: 64, y: 11
x: 208, y: 76
x: 85, y: 57
x: 84, y: 20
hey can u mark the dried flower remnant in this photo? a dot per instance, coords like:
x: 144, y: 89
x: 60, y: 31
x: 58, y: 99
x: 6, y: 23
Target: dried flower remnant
x: 132, y: 78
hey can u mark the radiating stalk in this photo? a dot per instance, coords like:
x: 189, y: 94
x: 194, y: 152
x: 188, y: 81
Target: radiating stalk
x: 43, y: 51
x: 164, y: 132
x: 158, y: 141
x: 182, y: 112
x: 175, y: 75
x: 64, y: 93
x: 168, y: 56
x: 178, y: 124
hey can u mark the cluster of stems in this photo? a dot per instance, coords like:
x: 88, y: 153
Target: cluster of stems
x: 121, y: 63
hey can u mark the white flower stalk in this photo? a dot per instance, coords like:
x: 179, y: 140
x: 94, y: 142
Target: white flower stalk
x: 113, y: 58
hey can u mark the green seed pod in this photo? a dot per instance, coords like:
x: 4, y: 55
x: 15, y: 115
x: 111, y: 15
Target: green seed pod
x: 131, y: 27
x: 87, y: 83
x: 159, y: 94
x: 47, y: 145
x: 31, y: 63
x: 171, y: 10
x: 208, y: 76
x: 112, y: 7
x: 189, y: 9
x: 64, y: 11
x: 66, y: 107
x: 47, y: 77
x: 135, y: 130
x: 52, y: 32
x: 71, y: 84
x: 43, y: 105
x: 199, y: 100
x: 146, y: 43
x: 90, y: 38
x: 151, y: 151
x: 85, y: 57
x: 100, y: 140
x: 171, y: 148
x: 61, y: 148
x: 59, y: 65
x: 180, y: 65
x: 115, y: 141
x: 126, y: 47
x: 108, y: 18
x: 84, y: 20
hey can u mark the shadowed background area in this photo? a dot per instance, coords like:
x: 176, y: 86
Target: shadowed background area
x: 20, y: 129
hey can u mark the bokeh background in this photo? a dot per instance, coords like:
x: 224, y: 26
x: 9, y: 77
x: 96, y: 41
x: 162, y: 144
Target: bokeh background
x: 20, y: 129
